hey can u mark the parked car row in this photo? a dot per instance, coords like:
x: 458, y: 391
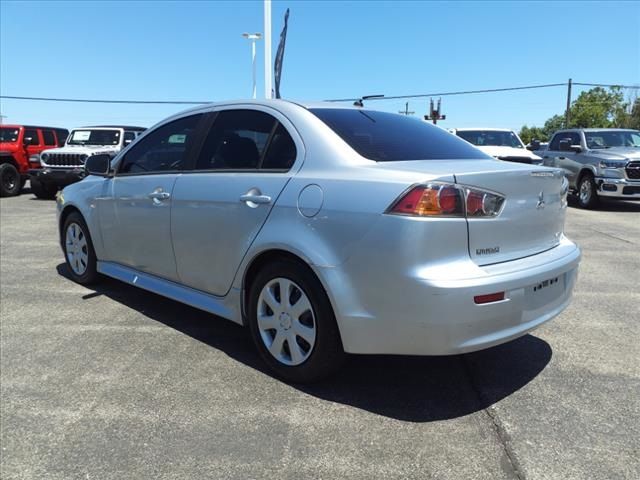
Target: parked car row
x: 598, y: 163
x: 51, y: 158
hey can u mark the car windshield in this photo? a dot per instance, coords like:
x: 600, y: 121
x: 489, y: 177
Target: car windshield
x: 389, y: 137
x: 484, y: 138
x: 608, y: 138
x: 94, y: 137
x: 9, y: 134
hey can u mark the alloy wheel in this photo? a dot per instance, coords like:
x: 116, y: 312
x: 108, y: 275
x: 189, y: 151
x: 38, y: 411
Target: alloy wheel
x: 585, y: 191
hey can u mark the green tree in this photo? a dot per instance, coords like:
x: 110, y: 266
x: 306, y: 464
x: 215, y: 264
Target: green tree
x: 529, y: 133
x: 598, y: 108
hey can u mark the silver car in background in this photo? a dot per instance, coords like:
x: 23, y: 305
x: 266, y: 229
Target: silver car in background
x: 327, y: 230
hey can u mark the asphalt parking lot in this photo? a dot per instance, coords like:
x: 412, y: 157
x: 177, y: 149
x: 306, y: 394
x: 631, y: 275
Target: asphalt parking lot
x: 115, y: 382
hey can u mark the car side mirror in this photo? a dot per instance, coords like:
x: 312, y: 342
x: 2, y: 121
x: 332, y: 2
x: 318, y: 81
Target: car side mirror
x: 534, y: 145
x: 27, y: 141
x: 99, y: 165
x: 576, y: 148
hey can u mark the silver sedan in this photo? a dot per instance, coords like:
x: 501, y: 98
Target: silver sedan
x: 326, y: 230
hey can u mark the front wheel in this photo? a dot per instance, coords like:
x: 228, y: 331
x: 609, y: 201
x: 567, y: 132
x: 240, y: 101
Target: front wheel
x: 42, y: 190
x: 78, y: 250
x: 587, y: 192
x: 9, y: 180
x: 292, y: 323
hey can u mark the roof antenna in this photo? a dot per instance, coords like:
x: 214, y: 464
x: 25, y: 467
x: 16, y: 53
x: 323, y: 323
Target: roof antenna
x: 360, y: 101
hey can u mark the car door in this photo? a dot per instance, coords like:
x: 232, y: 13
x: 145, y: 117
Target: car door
x: 135, y: 212
x: 219, y: 207
x: 34, y: 146
x: 566, y: 160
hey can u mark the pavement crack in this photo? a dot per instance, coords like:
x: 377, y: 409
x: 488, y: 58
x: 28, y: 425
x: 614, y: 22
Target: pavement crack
x: 512, y: 465
x: 612, y: 236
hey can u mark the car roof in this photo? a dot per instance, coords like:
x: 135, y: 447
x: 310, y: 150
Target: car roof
x: 125, y: 127
x: 6, y: 125
x: 597, y: 130
x: 483, y: 129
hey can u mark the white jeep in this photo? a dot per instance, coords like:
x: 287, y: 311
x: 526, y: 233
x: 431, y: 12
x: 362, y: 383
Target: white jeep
x: 65, y: 165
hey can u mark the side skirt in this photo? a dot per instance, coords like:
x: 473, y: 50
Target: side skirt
x: 226, y: 307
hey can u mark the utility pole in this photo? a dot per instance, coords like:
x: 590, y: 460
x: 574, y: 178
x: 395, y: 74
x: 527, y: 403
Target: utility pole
x: 1, y: 118
x: 406, y: 110
x: 434, y: 113
x: 253, y: 37
x: 268, y: 72
x: 567, y: 113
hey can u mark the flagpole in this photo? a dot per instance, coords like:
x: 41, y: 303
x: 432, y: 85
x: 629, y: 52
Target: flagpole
x: 268, y: 76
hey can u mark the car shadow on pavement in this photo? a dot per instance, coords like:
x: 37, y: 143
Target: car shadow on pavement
x: 408, y: 388
x: 609, y: 205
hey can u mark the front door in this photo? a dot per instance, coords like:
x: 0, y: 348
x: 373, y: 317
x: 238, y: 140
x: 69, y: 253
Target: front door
x: 219, y: 207
x: 135, y: 213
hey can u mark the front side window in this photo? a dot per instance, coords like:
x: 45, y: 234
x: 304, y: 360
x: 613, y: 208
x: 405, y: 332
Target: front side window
x: 164, y: 149
x: 48, y: 137
x: 33, y: 135
x: 94, y: 137
x: 573, y: 137
x: 236, y: 141
x: 389, y: 137
x: 9, y: 135
x: 493, y: 138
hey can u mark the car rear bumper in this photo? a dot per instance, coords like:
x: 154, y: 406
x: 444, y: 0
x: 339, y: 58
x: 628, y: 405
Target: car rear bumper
x: 58, y: 177
x: 618, y: 188
x: 433, y: 312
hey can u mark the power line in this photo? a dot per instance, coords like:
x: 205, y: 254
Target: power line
x: 85, y: 100
x: 462, y: 92
x: 393, y: 97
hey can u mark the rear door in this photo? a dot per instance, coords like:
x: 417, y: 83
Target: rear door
x: 219, y: 207
x: 531, y: 221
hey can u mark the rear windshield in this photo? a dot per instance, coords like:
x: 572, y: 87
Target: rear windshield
x: 389, y: 137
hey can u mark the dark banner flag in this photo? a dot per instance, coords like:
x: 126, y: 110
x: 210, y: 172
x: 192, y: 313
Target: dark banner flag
x: 277, y: 67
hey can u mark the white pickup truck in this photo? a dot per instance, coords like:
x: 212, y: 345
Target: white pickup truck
x: 500, y: 143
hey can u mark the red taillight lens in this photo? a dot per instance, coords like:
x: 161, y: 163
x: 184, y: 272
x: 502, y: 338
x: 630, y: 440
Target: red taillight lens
x: 450, y: 200
x: 432, y: 199
x: 490, y: 298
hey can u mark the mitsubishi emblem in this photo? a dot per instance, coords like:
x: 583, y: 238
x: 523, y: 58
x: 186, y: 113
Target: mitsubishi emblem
x: 540, y: 204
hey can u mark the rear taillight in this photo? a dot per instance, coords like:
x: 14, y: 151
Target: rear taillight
x: 447, y: 200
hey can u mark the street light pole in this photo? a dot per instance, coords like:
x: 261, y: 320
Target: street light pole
x: 253, y: 37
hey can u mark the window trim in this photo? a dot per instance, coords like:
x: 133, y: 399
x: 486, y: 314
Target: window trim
x: 189, y: 152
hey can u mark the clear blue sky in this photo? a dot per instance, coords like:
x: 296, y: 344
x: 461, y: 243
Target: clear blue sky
x: 194, y: 51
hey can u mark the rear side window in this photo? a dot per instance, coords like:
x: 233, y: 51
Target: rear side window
x: 281, y: 152
x: 48, y: 137
x: 33, y: 134
x: 164, y: 149
x: 389, y: 137
x: 237, y: 140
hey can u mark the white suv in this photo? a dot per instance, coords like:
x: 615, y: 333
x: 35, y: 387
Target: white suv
x: 500, y: 143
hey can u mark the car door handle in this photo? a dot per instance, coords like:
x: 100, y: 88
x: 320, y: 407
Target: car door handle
x: 561, y: 158
x: 254, y: 198
x: 159, y: 195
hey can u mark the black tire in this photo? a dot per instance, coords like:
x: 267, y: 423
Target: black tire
x: 42, y: 190
x: 327, y: 354
x: 587, y: 192
x: 9, y: 180
x: 90, y: 274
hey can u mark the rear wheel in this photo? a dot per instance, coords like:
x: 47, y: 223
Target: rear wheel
x: 78, y: 250
x: 587, y: 192
x: 42, y: 190
x: 9, y: 180
x: 292, y: 323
